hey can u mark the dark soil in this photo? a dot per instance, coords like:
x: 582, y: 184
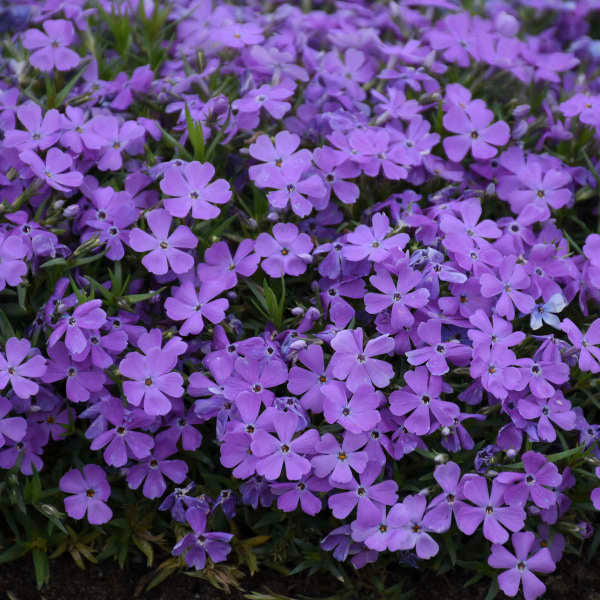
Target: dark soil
x: 573, y: 581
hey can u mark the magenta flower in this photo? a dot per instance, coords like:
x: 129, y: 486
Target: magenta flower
x: 422, y: 401
x: 275, y: 452
x: 51, y: 47
x: 474, y: 133
x: 90, y: 491
x: 356, y: 365
x: 154, y: 382
x: 356, y: 413
x: 53, y: 170
x: 163, y: 249
x: 534, y: 483
x: 20, y: 366
x: 192, y: 305
x: 521, y: 566
x: 190, y: 189
x: 287, y: 251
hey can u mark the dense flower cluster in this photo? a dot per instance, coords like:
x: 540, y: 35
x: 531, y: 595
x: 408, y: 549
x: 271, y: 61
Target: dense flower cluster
x: 327, y: 242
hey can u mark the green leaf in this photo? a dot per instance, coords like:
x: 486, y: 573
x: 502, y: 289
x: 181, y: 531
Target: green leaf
x: 66, y: 89
x: 41, y: 567
x: 195, y: 134
x: 13, y: 552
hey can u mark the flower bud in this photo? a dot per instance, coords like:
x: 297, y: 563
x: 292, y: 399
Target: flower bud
x: 441, y: 459
x: 506, y: 24
x: 273, y: 217
x: 297, y: 311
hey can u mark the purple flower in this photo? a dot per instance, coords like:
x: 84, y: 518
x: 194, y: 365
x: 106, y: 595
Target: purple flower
x: 51, y: 47
x: 20, y: 366
x: 335, y: 460
x: 290, y: 494
x: 356, y: 365
x: 538, y: 477
x: 90, y: 491
x: 422, y: 402
x: 488, y: 508
x: 85, y: 317
x: 511, y: 279
x: 193, y: 305
x: 410, y: 530
x: 189, y: 187
x: 201, y: 542
x: 41, y: 133
x: 366, y: 494
x: 82, y: 378
x: 12, y: 266
x: 273, y: 453
x: 436, y: 352
x: 398, y: 295
x: 153, y: 470
x: 474, y: 133
x: 334, y: 173
x: 271, y: 98
x: 309, y: 382
x: 220, y: 264
x: 586, y: 343
x: 163, y: 249
x: 498, y: 370
x: 179, y: 500
x: 357, y: 413
x: 112, y: 138
x: 287, y: 251
x: 153, y: 380
x: 556, y: 409
x: 122, y: 439
x: 439, y: 514
x: 521, y: 566
x: 53, y: 170
x: 11, y: 428
x: 275, y: 156
x: 371, y: 242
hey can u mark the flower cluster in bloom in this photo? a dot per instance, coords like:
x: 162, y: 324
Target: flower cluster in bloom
x: 346, y: 257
